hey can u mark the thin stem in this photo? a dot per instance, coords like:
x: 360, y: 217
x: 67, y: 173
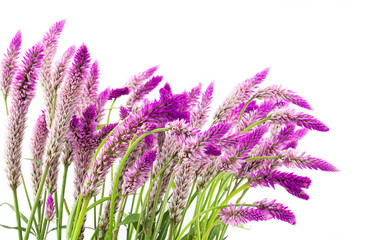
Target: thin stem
x: 60, y: 214
x: 95, y: 215
x: 45, y: 237
x: 43, y: 208
x: 36, y: 203
x: 14, y: 189
x: 172, y: 231
x: 119, y: 216
x: 244, y: 108
x: 25, y: 189
x: 261, y: 157
x: 82, y: 215
x: 254, y: 124
x: 6, y: 103
x: 57, y: 211
x: 123, y: 160
x: 151, y: 220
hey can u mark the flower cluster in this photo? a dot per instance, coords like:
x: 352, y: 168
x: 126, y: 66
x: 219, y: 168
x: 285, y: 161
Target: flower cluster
x: 169, y: 157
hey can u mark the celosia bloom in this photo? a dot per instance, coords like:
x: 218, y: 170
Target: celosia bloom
x: 9, y: 64
x: 234, y: 215
x: 50, y: 208
x: 276, y: 210
x: 67, y: 101
x: 23, y: 91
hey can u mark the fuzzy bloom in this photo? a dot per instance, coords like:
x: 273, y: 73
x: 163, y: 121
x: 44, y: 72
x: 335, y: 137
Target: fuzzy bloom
x: 165, y: 109
x: 82, y: 136
x: 235, y: 113
x: 276, y: 92
x: 23, y: 91
x: 298, y: 135
x: 291, y: 182
x: 276, y: 210
x: 234, y: 215
x: 301, y: 119
x: 118, y: 92
x: 183, y: 179
x: 137, y: 175
x: 8, y: 67
x: 200, y: 114
x: 292, y: 158
x: 100, y: 104
x: 137, y: 80
x: 37, y: 146
x: 139, y: 93
x: 50, y: 208
x: 67, y: 101
x: 206, y: 174
x: 232, y: 159
x: 52, y: 85
x: 240, y: 94
x: 90, y: 89
x: 192, y: 98
x: 124, y: 112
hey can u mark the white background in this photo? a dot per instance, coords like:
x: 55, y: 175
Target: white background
x: 323, y: 50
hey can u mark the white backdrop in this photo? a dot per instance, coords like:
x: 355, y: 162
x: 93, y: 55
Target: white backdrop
x: 323, y: 50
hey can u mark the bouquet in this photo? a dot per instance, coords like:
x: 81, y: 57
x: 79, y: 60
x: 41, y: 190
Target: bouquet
x: 163, y: 170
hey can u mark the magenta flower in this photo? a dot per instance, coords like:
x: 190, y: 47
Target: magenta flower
x: 276, y: 210
x: 23, y: 91
x: 235, y: 215
x: 9, y: 64
x: 50, y: 208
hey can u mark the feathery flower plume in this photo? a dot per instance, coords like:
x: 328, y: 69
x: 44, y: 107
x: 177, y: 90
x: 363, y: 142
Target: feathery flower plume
x: 118, y: 92
x: 276, y: 210
x: 292, y: 158
x: 200, y: 114
x: 137, y: 175
x: 67, y: 100
x: 139, y: 93
x: 136, y: 81
x: 291, y: 182
x: 53, y: 84
x: 37, y: 146
x: 234, y: 215
x: 165, y: 109
x: 9, y: 64
x: 233, y: 158
x: 183, y: 179
x: 285, y: 115
x: 90, y: 89
x: 50, y: 208
x: 240, y: 94
x: 23, y: 91
x: 192, y: 98
x: 277, y: 93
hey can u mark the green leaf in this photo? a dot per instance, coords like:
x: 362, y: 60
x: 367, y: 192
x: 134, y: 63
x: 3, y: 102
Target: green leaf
x: 12, y: 207
x: 164, y: 225
x: 131, y: 218
x: 16, y: 228
x: 34, y: 160
x: 54, y: 229
x: 243, y: 226
x: 215, y: 231
x: 100, y: 201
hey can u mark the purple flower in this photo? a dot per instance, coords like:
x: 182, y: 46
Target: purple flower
x: 23, y: 91
x: 67, y: 101
x: 200, y: 114
x: 38, y: 143
x: 90, y: 90
x: 235, y: 215
x: 139, y: 93
x: 291, y: 182
x: 50, y: 208
x: 240, y: 94
x: 276, y: 92
x: 276, y: 210
x: 118, y: 92
x: 292, y: 158
x: 9, y: 64
x: 212, y: 150
x: 137, y: 175
x: 136, y: 81
x: 284, y: 115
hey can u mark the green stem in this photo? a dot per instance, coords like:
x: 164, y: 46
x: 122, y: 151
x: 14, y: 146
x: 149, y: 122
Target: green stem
x: 123, y: 160
x: 197, y: 210
x: 81, y: 218
x: 6, y: 103
x: 25, y: 189
x: 36, y: 203
x: 44, y: 228
x: 119, y: 216
x: 57, y: 211
x: 254, y: 124
x: 14, y: 189
x: 60, y: 214
x: 45, y: 237
x: 261, y: 157
x: 95, y: 215
x: 172, y: 231
x: 244, y: 108
x: 43, y: 208
x: 151, y: 220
